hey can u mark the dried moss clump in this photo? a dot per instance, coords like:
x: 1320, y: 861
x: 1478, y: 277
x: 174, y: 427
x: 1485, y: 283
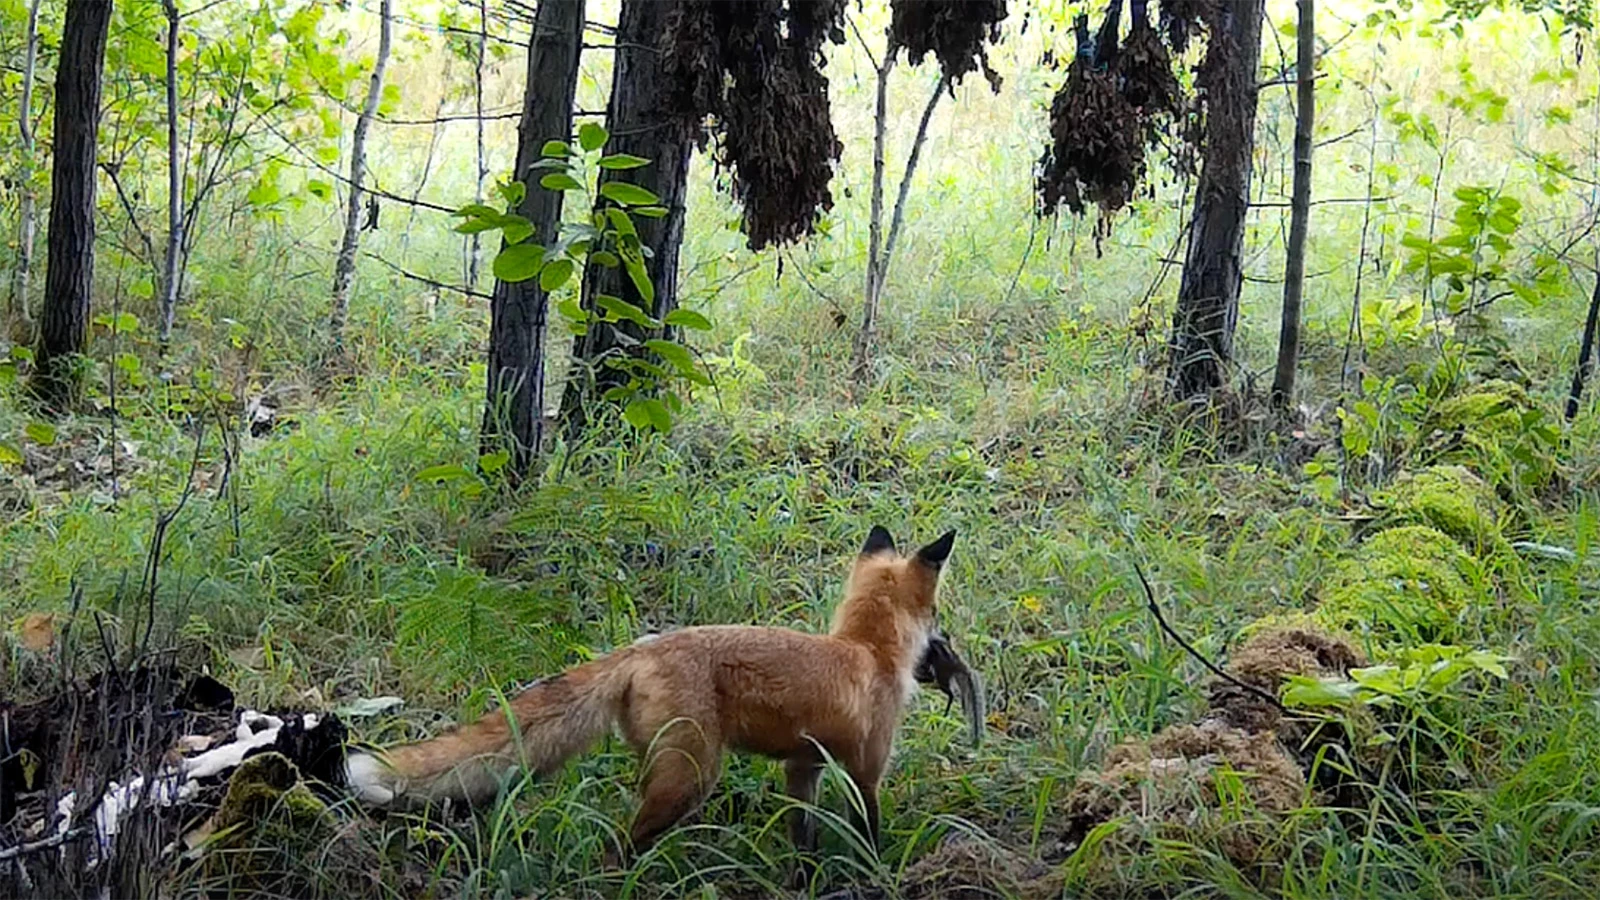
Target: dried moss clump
x: 1210, y: 785
x: 966, y: 868
x: 1451, y: 499
x: 1412, y: 581
x: 1266, y: 661
x: 755, y: 68
x: 952, y: 30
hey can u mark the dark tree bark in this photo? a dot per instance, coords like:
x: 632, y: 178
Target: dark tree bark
x: 69, y: 279
x: 1294, y: 269
x: 1208, y: 298
x: 640, y: 125
x: 513, y: 415
x: 1585, y: 353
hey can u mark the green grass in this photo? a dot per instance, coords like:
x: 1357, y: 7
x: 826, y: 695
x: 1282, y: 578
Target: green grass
x: 1027, y: 418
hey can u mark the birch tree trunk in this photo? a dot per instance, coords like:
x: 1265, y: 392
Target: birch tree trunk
x: 26, y: 217
x: 344, y: 267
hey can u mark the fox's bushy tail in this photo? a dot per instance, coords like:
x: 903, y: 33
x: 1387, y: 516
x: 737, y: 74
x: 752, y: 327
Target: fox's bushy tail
x: 549, y: 723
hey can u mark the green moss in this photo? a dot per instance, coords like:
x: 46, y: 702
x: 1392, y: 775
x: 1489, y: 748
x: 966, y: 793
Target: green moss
x: 1497, y: 430
x: 1451, y: 499
x: 1412, y: 580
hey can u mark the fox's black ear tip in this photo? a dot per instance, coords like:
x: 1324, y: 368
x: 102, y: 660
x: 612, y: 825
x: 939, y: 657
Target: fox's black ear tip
x: 878, y: 541
x: 937, y: 552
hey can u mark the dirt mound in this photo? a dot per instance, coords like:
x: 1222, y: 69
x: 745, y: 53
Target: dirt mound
x: 1268, y: 659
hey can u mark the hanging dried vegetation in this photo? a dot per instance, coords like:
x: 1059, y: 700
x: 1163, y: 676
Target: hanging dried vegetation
x: 755, y: 68
x: 952, y: 30
x: 1117, y: 103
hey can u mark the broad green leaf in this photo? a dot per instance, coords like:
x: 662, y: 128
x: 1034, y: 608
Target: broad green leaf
x: 621, y: 221
x: 518, y: 262
x: 605, y: 258
x: 688, y: 318
x: 623, y: 161
x: 635, y: 413
x: 570, y: 309
x: 559, y: 181
x: 556, y: 149
x: 1314, y: 692
x: 477, y: 211
x: 41, y: 433
x: 628, y: 194
x: 320, y: 189
x: 592, y: 136
x: 555, y: 274
x: 650, y: 212
x: 475, y: 226
x: 443, y: 472
x: 674, y: 353
x: 11, y: 456
x: 491, y: 463
x: 618, y: 308
x: 516, y: 232
x: 514, y: 192
x: 641, y: 281
x: 660, y: 416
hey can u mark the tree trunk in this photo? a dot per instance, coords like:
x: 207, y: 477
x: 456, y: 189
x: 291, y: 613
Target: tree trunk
x: 344, y: 267
x: 69, y: 278
x: 1294, y: 270
x: 639, y: 126
x: 1208, y: 297
x: 869, y: 308
x: 514, y: 412
x: 26, y: 219
x: 475, y: 250
x: 170, y: 281
x: 1585, y: 352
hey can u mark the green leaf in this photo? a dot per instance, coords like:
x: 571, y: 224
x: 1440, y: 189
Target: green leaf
x: 650, y: 212
x: 641, y: 280
x: 1302, y: 691
x: 557, y: 149
x: 514, y: 192
x: 517, y: 231
x: 560, y: 181
x: 555, y: 274
x: 11, y: 456
x: 618, y: 308
x: 570, y: 309
x: 635, y: 413
x: 674, y: 353
x: 688, y: 318
x: 474, y: 226
x: 491, y: 463
x: 443, y: 472
x: 623, y: 161
x: 320, y: 189
x: 592, y: 136
x: 41, y: 433
x: 628, y: 194
x: 605, y: 258
x: 519, y: 262
x: 660, y: 416
x: 621, y: 221
x: 477, y: 211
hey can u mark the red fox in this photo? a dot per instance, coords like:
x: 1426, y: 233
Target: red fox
x: 680, y: 698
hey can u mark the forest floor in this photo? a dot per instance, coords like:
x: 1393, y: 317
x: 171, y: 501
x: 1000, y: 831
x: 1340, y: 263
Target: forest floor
x: 353, y: 550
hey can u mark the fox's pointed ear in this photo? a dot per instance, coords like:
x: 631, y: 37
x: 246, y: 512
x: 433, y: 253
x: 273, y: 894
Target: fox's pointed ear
x: 937, y: 552
x: 878, y: 541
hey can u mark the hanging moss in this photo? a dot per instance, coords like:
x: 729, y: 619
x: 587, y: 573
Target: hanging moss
x: 755, y: 68
x: 952, y: 30
x: 1118, y: 101
x: 1412, y: 581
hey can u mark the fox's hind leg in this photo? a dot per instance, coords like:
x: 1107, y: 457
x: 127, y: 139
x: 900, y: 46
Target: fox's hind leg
x: 801, y: 774
x: 681, y: 767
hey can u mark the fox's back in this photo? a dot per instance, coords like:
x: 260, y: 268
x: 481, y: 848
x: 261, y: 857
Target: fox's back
x: 766, y: 688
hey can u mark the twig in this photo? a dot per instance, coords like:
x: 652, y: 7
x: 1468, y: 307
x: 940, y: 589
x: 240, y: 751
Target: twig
x: 429, y: 281
x: 1033, y: 232
x: 54, y: 840
x: 1161, y: 619
x: 158, y: 538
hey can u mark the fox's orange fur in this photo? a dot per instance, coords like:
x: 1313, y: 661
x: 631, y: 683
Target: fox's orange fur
x: 681, y: 698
